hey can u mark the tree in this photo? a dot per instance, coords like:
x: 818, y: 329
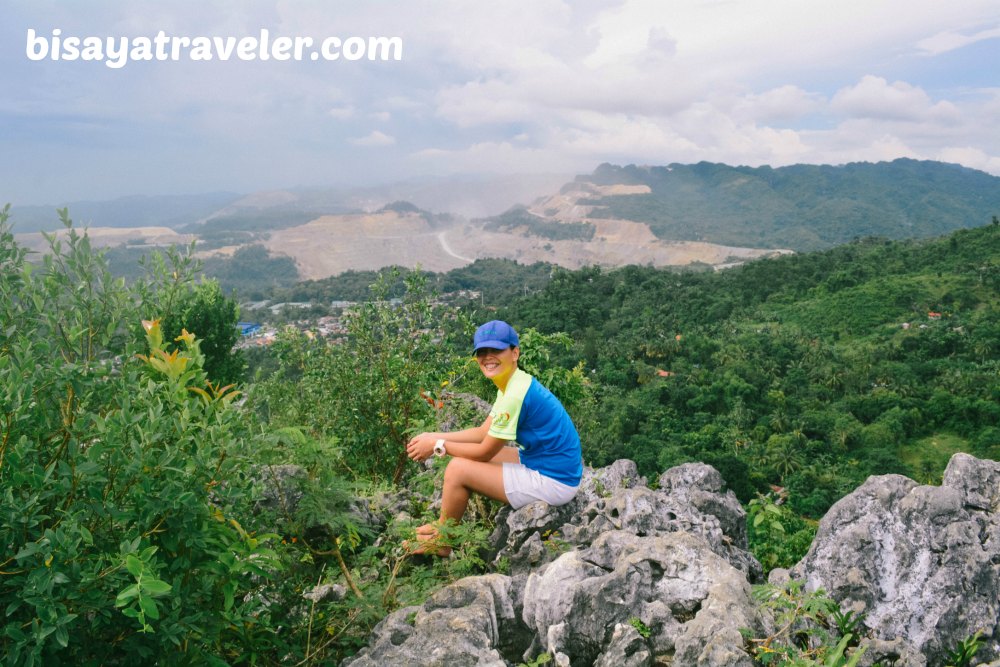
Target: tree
x: 375, y: 390
x: 206, y: 312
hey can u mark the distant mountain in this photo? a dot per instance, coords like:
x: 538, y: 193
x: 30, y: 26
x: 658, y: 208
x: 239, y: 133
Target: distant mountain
x: 137, y: 211
x: 468, y: 196
x: 803, y: 207
x: 465, y: 196
x: 701, y: 215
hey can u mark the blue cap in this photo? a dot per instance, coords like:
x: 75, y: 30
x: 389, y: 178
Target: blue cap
x: 496, y: 334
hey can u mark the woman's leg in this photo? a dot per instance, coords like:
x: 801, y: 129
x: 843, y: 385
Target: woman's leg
x: 462, y: 477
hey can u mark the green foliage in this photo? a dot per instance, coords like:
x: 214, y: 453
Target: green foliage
x: 347, y: 286
x: 778, y: 538
x: 370, y: 391
x: 130, y: 504
x: 541, y: 659
x: 168, y: 292
x: 497, y: 281
x: 802, y: 630
x: 122, y: 479
x: 803, y: 207
x: 847, y: 622
x: 794, y: 372
x: 518, y: 218
x: 962, y: 655
x: 570, y: 386
x: 207, y: 313
x: 267, y: 220
x: 250, y: 270
x: 640, y: 627
x: 554, y: 543
x: 138, y: 600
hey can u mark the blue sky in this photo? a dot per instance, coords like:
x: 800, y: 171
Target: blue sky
x: 534, y: 86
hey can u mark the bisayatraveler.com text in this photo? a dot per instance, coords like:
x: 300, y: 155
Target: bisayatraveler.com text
x: 116, y: 52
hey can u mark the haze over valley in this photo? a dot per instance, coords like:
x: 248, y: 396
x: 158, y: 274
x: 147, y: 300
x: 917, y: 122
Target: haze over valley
x: 707, y: 215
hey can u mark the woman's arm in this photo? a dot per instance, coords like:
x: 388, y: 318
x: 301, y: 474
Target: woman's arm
x: 474, y: 434
x: 472, y: 443
x: 477, y: 451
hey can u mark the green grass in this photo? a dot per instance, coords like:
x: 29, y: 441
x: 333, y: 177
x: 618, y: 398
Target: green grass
x: 927, y: 458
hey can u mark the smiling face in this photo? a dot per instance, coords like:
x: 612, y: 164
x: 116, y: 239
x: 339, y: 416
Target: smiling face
x: 498, y: 365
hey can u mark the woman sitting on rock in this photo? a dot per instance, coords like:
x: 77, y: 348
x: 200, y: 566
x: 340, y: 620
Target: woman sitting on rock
x: 545, y: 464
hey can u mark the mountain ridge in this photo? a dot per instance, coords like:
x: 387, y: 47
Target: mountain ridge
x: 802, y: 207
x: 704, y: 214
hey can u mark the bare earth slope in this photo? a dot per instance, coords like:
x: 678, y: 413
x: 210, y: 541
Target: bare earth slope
x: 102, y: 237
x: 332, y: 244
x: 336, y: 243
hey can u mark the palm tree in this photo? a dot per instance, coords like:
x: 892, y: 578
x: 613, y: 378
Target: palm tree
x: 784, y: 455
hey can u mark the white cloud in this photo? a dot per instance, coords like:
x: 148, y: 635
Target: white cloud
x: 376, y: 138
x: 970, y: 157
x: 783, y: 103
x: 948, y: 40
x: 341, y: 113
x: 874, y: 97
x: 523, y: 85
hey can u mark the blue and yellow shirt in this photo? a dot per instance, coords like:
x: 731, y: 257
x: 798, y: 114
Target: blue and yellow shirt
x: 528, y: 413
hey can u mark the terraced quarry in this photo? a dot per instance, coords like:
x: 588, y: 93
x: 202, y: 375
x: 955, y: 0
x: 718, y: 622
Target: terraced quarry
x: 403, y: 235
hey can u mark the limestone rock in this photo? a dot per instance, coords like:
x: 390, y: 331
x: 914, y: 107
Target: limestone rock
x: 922, y: 562
x: 460, y: 625
x: 692, y: 600
x: 691, y: 499
x: 326, y: 592
x: 627, y: 648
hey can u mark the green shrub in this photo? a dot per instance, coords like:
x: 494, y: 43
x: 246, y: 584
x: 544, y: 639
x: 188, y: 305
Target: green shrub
x: 778, y: 538
x: 374, y: 390
x: 124, y: 480
x: 808, y: 629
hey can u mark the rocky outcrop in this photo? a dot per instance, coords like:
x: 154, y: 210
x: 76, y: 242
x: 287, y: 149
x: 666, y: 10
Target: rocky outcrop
x: 690, y: 498
x: 584, y: 577
x: 921, y: 562
x: 690, y: 601
x: 461, y: 625
x: 628, y: 575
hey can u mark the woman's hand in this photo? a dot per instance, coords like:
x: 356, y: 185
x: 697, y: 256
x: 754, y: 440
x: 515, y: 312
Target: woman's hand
x: 421, y: 447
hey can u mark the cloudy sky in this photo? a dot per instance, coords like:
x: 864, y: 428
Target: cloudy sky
x: 533, y: 86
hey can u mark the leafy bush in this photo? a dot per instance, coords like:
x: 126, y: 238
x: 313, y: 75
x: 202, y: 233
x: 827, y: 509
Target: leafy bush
x: 125, y: 481
x: 808, y: 629
x: 206, y: 310
x: 374, y: 390
x: 778, y: 538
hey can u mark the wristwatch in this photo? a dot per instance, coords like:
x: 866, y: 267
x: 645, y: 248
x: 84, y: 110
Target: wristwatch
x: 439, y: 449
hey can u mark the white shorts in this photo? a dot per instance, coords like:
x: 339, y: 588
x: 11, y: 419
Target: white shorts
x: 524, y: 485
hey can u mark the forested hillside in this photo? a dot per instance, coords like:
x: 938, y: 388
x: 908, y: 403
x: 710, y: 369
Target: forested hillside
x: 802, y: 207
x: 154, y: 510
x: 809, y: 371
x: 136, y: 211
